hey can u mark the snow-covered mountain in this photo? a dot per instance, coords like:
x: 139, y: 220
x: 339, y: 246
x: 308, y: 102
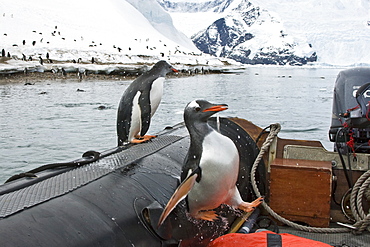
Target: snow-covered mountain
x: 253, y: 36
x: 247, y: 34
x: 110, y: 31
x: 337, y: 30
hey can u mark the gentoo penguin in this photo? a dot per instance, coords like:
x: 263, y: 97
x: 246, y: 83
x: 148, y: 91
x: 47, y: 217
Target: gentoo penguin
x: 211, y: 167
x: 139, y: 103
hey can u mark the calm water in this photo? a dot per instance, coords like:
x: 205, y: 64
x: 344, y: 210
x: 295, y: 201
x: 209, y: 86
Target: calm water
x: 53, y: 122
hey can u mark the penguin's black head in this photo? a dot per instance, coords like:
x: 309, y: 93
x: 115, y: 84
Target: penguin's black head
x: 201, y: 110
x: 162, y: 67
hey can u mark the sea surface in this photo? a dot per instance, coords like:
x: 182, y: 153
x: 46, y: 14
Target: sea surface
x: 58, y: 120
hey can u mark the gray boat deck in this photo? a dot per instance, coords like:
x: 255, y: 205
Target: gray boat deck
x: 334, y: 239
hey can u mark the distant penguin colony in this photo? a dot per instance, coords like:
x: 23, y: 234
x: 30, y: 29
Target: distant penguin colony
x: 47, y: 36
x: 139, y: 102
x: 211, y: 167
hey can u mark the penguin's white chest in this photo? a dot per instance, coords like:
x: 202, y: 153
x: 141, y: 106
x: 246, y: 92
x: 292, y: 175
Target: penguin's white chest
x: 156, y: 93
x: 220, y: 167
x: 220, y: 159
x: 155, y: 97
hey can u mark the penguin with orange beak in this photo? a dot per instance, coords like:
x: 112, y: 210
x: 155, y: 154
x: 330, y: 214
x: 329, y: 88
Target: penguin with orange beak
x: 211, y: 167
x: 139, y: 102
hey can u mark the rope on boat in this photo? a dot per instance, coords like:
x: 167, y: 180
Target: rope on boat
x: 274, y: 130
x: 360, y: 189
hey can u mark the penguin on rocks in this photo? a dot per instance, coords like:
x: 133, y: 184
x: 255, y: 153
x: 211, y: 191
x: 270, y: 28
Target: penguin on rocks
x: 139, y: 103
x: 210, y: 170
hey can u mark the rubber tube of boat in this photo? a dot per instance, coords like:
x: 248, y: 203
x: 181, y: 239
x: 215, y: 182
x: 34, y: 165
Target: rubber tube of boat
x: 116, y: 200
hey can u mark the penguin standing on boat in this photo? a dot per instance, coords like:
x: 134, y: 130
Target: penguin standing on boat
x: 211, y: 167
x: 139, y: 103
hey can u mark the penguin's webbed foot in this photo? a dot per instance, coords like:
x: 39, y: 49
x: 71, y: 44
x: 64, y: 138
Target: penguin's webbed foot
x: 209, y: 215
x: 141, y: 139
x: 250, y: 206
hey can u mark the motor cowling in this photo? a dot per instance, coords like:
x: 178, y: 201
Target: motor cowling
x: 351, y: 109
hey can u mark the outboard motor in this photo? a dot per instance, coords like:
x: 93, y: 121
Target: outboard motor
x: 350, y: 125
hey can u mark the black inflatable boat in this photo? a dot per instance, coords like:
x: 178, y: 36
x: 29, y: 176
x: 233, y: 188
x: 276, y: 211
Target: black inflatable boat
x: 115, y: 198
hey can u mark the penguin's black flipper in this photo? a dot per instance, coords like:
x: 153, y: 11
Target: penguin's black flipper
x: 123, y: 120
x: 180, y: 193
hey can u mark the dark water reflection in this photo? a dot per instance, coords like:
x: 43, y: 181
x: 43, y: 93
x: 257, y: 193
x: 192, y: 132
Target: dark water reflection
x: 53, y: 121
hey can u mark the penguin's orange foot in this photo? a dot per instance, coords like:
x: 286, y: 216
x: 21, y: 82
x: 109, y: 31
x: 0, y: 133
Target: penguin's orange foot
x: 250, y: 206
x: 209, y: 215
x: 141, y: 139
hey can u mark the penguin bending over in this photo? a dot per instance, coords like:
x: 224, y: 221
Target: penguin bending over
x: 211, y: 168
x: 139, y: 103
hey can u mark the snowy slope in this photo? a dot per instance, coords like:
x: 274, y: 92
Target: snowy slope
x: 337, y: 29
x: 78, y: 24
x: 161, y: 21
x: 111, y: 31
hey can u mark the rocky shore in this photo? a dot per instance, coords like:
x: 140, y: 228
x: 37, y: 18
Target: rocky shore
x: 27, y: 77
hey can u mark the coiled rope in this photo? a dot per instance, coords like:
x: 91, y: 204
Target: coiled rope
x: 360, y: 189
x: 356, y: 197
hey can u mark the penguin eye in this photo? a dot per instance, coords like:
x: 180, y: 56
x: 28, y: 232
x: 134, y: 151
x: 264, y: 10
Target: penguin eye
x: 197, y: 108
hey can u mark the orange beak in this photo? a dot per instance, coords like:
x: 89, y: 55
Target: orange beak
x: 216, y: 108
